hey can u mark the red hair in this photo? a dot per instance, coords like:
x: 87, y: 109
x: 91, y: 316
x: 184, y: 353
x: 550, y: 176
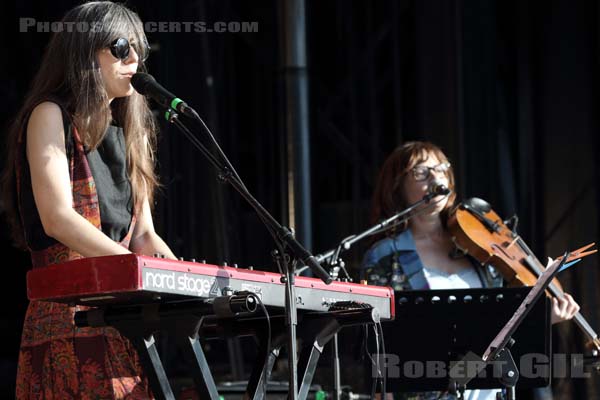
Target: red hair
x: 389, y: 196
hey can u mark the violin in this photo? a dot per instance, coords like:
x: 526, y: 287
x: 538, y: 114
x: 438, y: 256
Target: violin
x: 477, y: 230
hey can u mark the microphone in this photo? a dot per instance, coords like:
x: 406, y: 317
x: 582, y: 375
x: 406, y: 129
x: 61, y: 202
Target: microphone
x: 437, y: 188
x: 146, y: 85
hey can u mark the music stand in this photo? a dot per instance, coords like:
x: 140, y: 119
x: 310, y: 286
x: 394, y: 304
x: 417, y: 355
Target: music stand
x: 435, y: 328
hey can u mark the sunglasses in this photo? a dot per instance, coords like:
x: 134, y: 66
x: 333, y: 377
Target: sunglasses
x: 119, y: 48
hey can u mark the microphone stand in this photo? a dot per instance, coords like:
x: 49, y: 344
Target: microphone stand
x: 334, y: 260
x: 332, y: 255
x: 282, y: 236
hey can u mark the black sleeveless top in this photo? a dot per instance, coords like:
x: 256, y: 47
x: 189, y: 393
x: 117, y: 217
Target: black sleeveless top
x: 109, y: 169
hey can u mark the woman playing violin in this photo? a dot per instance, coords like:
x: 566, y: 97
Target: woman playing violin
x: 420, y: 254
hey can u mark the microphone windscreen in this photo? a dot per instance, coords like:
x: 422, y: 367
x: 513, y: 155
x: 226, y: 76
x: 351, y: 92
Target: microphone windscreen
x: 437, y: 187
x: 141, y: 81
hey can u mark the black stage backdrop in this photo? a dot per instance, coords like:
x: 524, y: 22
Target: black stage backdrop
x: 508, y: 88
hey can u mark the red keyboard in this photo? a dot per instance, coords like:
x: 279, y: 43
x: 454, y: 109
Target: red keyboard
x: 135, y: 279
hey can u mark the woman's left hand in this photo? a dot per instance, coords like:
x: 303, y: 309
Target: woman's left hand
x: 563, y: 309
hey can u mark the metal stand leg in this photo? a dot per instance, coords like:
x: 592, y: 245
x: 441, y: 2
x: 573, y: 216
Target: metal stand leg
x: 309, y: 370
x: 261, y: 372
x: 157, y: 378
x: 203, y: 380
x: 510, y: 393
x: 337, y: 384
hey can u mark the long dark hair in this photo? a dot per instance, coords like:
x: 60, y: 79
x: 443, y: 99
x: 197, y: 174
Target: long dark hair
x: 389, y: 197
x: 70, y: 74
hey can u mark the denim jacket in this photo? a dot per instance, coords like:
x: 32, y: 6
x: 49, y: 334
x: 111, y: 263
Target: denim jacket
x: 395, y: 262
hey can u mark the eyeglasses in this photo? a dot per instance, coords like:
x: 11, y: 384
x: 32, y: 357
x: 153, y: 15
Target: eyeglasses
x: 422, y: 172
x: 119, y: 48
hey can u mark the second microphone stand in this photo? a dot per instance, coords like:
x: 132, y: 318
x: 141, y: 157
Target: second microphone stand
x: 332, y: 257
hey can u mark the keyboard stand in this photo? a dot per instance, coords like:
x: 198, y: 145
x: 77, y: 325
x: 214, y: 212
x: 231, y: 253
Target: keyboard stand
x: 183, y: 319
x: 189, y: 320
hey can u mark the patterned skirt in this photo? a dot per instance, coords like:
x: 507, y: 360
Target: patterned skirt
x: 58, y: 360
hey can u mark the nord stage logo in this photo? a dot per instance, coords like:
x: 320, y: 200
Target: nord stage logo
x: 177, y: 282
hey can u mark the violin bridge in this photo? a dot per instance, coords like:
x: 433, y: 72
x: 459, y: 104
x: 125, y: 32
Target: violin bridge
x: 512, y: 243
